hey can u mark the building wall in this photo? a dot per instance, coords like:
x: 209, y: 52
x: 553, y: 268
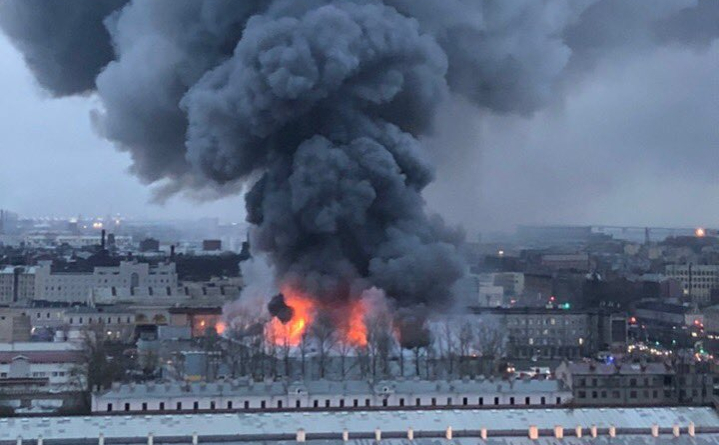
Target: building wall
x: 300, y: 399
x: 697, y: 280
x: 78, y: 287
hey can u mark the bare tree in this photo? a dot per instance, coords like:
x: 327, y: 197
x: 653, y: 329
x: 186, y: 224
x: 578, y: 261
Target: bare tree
x: 100, y: 364
x: 324, y: 333
x: 304, y: 347
x: 379, y: 342
x: 491, y: 341
x: 413, y: 335
x: 465, y: 341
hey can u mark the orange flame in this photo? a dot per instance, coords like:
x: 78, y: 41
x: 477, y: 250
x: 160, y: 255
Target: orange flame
x: 220, y: 327
x: 292, y: 332
x: 355, y: 332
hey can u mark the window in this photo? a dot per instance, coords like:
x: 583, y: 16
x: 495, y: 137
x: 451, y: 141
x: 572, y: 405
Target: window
x: 342, y: 403
x: 247, y: 404
x: 496, y: 400
x: 465, y: 401
x: 543, y: 400
x: 434, y: 401
x: 212, y: 405
x: 298, y: 404
x: 527, y: 401
x: 384, y: 402
x: 195, y: 405
x: 418, y: 402
x: 355, y: 403
x: 127, y: 407
x: 481, y: 401
x: 327, y: 403
x: 511, y: 400
x: 144, y: 406
x: 279, y: 404
x: 632, y: 394
x: 595, y: 394
x: 162, y: 406
x: 109, y: 407
x: 449, y: 400
x: 367, y: 402
x: 179, y: 406
x: 316, y: 403
x: 263, y: 404
x: 559, y: 400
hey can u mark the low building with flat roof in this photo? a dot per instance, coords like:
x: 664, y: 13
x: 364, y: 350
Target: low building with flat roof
x: 678, y: 426
x: 243, y: 394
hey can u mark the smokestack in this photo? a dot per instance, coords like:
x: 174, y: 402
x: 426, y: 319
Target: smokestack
x: 102, y: 240
x: 172, y: 252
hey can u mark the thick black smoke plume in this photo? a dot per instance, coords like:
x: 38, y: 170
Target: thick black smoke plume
x: 277, y: 307
x: 319, y: 104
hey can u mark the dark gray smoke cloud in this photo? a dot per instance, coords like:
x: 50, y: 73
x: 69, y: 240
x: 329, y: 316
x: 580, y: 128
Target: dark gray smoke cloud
x: 65, y: 43
x: 319, y: 106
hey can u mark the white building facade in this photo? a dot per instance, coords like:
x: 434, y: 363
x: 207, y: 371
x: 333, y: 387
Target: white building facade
x: 79, y: 286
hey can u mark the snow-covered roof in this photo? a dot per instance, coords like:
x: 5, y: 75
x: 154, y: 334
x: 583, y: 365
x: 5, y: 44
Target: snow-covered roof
x: 320, y: 387
x: 279, y: 426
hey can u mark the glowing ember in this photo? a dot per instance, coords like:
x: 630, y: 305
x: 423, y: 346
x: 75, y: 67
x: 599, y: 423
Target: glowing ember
x: 220, y: 327
x: 291, y: 333
x: 355, y: 332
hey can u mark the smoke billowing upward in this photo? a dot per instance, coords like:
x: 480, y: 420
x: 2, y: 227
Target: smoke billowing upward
x: 279, y: 308
x: 317, y: 107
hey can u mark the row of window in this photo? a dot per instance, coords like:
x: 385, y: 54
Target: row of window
x: 3, y: 375
x: 327, y: 403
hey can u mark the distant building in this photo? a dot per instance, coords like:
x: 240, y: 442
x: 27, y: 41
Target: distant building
x: 198, y: 319
x: 54, y: 361
x: 8, y: 222
x: 635, y: 384
x: 567, y: 261
x: 211, y: 245
x: 17, y: 284
x: 149, y: 245
x: 698, y: 280
x: 553, y: 333
x: 78, y: 286
x: 14, y: 327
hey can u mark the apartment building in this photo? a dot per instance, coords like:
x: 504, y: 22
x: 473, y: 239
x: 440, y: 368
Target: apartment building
x: 698, y: 280
x: 635, y: 384
x: 554, y: 333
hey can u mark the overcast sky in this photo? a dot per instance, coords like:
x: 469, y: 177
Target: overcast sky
x: 54, y: 164
x: 635, y: 142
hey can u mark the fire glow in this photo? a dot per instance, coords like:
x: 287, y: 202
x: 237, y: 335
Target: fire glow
x: 292, y: 332
x: 351, y: 327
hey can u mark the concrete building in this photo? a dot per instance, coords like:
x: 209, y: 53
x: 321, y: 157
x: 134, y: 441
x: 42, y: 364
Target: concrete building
x: 697, y: 280
x: 566, y: 261
x: 14, y: 327
x: 324, y: 394
x: 78, y: 286
x: 54, y: 361
x: 17, y: 284
x: 114, y: 323
x: 636, y: 384
x: 553, y: 333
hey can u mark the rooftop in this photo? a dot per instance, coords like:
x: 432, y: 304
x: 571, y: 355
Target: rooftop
x: 244, y: 388
x: 236, y: 427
